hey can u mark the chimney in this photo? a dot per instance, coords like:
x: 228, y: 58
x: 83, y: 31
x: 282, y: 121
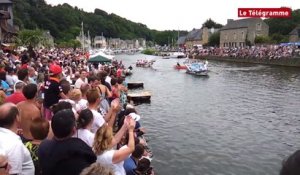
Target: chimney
x: 229, y: 20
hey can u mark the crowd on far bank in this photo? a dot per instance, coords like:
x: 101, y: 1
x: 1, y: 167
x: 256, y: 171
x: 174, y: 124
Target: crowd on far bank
x: 60, y: 115
x: 258, y: 52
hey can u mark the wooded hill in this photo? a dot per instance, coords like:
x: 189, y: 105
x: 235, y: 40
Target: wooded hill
x: 64, y: 23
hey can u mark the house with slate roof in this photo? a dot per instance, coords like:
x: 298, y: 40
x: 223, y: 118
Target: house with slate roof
x: 236, y: 32
x: 295, y: 35
x: 7, y: 29
x: 181, y: 41
x: 197, y: 37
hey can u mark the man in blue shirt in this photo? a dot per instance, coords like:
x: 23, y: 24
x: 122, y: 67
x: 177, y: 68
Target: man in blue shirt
x: 131, y: 163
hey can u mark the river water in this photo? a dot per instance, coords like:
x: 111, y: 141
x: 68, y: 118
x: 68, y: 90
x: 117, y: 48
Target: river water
x: 242, y: 119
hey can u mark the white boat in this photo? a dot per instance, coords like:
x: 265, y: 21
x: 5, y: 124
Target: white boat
x: 197, y: 68
x: 179, y: 55
x: 175, y: 55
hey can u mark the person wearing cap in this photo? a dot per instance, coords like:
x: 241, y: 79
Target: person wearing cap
x: 52, y: 90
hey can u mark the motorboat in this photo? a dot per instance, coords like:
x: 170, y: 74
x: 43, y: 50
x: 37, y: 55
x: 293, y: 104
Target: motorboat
x: 197, y: 68
x: 174, y: 55
x: 179, y: 55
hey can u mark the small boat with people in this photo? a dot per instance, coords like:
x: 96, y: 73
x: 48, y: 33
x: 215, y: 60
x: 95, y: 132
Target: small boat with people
x: 144, y: 63
x: 179, y: 66
x: 128, y: 71
x: 197, y: 68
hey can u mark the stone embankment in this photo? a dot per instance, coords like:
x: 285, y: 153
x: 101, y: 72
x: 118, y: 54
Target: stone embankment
x: 292, y: 62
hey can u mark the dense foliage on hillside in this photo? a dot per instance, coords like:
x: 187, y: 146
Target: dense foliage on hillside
x: 279, y: 28
x: 64, y: 22
x: 209, y: 23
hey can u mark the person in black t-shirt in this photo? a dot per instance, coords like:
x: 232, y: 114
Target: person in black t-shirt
x: 64, y: 155
x: 52, y: 90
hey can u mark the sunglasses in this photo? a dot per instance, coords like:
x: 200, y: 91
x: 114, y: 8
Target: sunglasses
x: 4, y: 166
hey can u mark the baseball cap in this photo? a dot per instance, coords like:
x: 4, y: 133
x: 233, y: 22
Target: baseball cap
x: 55, y: 69
x: 135, y: 117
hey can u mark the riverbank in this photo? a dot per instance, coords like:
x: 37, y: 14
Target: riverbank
x: 240, y: 109
x: 291, y: 62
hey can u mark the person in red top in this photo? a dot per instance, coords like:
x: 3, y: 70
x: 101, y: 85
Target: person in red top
x: 119, y: 72
x: 52, y: 90
x: 17, y: 96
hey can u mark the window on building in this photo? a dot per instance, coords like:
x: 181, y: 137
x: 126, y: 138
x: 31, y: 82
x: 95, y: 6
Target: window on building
x: 299, y: 33
x: 4, y: 7
x: 243, y: 35
x: 258, y: 26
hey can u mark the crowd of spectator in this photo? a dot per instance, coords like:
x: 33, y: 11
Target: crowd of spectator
x: 60, y: 115
x: 259, y: 52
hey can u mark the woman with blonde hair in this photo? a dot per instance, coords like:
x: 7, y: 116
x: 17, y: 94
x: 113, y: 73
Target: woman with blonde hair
x: 104, y: 143
x: 2, y: 97
x: 97, y: 168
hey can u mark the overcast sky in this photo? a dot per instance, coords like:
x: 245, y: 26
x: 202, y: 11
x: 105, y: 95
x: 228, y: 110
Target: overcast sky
x: 175, y: 14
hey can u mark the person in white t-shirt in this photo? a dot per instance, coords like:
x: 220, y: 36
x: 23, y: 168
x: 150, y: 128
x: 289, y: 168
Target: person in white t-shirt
x: 105, y: 142
x: 93, y: 99
x: 81, y: 80
x: 84, y: 125
x: 4, y: 165
x: 18, y: 156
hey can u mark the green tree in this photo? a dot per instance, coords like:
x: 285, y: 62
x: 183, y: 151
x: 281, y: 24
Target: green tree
x: 209, y: 23
x: 284, y: 26
x: 279, y: 38
x: 31, y: 38
x: 262, y: 40
x: 64, y: 22
x: 214, y: 39
x: 74, y: 44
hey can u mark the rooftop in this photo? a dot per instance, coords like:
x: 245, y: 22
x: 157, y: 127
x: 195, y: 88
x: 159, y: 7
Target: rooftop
x: 5, y: 2
x: 296, y: 31
x: 241, y: 23
x: 181, y: 40
x: 195, y: 34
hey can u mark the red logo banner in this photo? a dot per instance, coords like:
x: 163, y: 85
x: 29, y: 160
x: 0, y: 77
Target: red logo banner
x: 265, y: 12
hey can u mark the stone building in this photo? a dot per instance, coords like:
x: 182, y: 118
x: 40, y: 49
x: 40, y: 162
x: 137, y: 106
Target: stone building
x: 100, y: 42
x: 142, y: 42
x: 295, y: 35
x: 236, y: 32
x: 197, y: 37
x: 7, y: 29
